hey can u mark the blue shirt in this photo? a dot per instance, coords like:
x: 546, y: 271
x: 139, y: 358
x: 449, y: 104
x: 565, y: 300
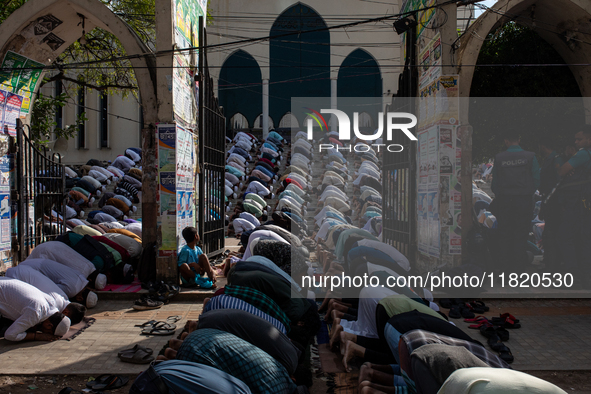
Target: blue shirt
x: 188, y: 255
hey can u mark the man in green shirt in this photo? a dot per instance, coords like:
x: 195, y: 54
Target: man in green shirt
x: 575, y: 198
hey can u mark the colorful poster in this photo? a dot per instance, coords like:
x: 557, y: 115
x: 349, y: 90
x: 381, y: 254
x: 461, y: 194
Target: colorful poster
x: 21, y: 77
x: 446, y: 205
x: 431, y: 62
x: 183, y: 93
x: 12, y: 111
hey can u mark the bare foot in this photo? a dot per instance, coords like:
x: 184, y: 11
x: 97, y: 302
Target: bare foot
x: 170, y: 353
x: 344, y: 337
x: 335, y: 335
x: 184, y: 335
x: 161, y: 357
x: 349, y: 354
x: 191, y: 325
x: 175, y: 344
x: 365, y: 372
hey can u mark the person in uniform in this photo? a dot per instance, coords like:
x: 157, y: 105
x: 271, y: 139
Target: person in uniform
x: 575, y: 200
x: 550, y: 212
x: 516, y: 176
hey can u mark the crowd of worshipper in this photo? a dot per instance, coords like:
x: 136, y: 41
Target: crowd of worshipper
x: 50, y: 290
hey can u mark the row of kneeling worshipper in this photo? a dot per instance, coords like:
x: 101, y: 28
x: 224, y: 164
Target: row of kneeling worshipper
x: 261, y: 183
x: 405, y: 344
x: 255, y: 333
x: 87, y: 184
x: 58, y: 278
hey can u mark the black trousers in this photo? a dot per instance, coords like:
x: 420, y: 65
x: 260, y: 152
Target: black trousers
x: 376, y: 349
x: 514, y: 215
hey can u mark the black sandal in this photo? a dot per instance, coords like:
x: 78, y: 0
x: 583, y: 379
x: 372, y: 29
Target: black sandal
x: 504, y: 352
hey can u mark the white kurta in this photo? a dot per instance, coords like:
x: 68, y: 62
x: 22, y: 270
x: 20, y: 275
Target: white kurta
x: 25, y: 304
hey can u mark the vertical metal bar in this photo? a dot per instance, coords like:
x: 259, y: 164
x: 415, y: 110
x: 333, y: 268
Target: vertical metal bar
x: 201, y: 133
x: 20, y: 189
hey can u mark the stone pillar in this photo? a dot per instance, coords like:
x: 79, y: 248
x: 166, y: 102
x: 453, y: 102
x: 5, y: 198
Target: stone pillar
x: 265, y: 120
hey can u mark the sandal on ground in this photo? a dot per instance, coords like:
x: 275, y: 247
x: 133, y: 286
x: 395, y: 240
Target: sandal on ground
x: 454, y: 312
x: 99, y: 379
x: 504, y: 352
x: 504, y: 317
x: 466, y: 312
x: 480, y: 305
x: 445, y: 303
x: 173, y: 319
x: 477, y: 319
x: 140, y: 356
x: 147, y: 304
x: 135, y: 349
x: 113, y: 382
x: 160, y: 328
x: 491, y: 330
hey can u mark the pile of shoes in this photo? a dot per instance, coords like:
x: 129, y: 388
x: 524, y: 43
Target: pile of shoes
x: 495, y: 330
x: 458, y: 308
x: 158, y: 294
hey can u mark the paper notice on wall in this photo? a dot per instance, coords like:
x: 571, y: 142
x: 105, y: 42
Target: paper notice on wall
x: 20, y: 77
x: 431, y: 62
x: 455, y: 234
x: 446, y: 150
x: 12, y: 111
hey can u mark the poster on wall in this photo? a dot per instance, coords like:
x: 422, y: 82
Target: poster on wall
x: 21, y: 78
x: 5, y: 211
x: 431, y: 62
x: 12, y: 110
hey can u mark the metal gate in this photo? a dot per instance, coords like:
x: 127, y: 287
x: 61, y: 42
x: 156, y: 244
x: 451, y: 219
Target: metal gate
x: 40, y: 194
x: 400, y: 169
x: 212, y: 151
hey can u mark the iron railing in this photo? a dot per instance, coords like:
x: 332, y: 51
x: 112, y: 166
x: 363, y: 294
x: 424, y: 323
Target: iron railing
x: 40, y: 194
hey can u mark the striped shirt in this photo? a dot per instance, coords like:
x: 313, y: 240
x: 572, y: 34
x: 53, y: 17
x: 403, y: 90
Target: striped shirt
x: 224, y: 301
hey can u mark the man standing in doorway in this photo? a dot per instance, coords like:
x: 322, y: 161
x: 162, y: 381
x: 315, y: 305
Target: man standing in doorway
x: 575, y: 198
x: 550, y: 212
x: 516, y: 176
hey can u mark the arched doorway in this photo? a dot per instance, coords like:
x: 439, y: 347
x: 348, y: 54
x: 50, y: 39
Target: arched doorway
x: 300, y: 63
x: 238, y: 122
x: 239, y: 86
x: 289, y: 121
x: 258, y: 122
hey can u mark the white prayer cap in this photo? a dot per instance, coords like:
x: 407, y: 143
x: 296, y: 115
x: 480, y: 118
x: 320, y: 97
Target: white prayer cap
x: 63, y: 327
x: 98, y: 193
x: 91, y: 300
x: 134, y: 209
x: 100, y: 282
x: 126, y: 269
x: 108, y: 182
x: 91, y: 201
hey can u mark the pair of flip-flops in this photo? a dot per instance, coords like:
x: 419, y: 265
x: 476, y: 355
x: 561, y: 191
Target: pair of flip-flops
x: 506, y: 320
x: 154, y: 327
x: 107, y: 382
x: 136, y: 355
x: 496, y: 344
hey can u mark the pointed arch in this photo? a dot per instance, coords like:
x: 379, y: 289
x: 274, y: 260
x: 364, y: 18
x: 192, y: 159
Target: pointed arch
x: 239, y: 86
x: 359, y: 76
x: 299, y: 63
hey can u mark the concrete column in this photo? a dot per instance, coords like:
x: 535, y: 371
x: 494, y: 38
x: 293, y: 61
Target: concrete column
x: 265, y: 119
x: 333, y: 104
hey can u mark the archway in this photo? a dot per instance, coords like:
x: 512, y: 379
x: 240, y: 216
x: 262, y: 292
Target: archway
x: 18, y: 34
x: 564, y: 24
x: 289, y: 121
x: 258, y: 122
x: 239, y: 87
x: 238, y: 122
x: 300, y: 63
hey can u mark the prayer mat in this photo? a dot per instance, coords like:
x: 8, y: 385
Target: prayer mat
x: 133, y: 287
x: 77, y: 329
x: 346, y: 383
x: 330, y: 362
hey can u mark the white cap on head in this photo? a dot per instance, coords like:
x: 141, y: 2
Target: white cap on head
x: 234, y: 195
x: 100, y: 282
x: 235, y: 188
x: 126, y: 269
x: 98, y: 193
x: 133, y: 209
x: 108, y: 182
x: 91, y: 300
x: 91, y: 201
x: 81, y: 214
x: 103, y: 188
x: 271, y: 188
x: 63, y: 327
x: 434, y: 306
x: 272, y: 195
x: 125, y: 217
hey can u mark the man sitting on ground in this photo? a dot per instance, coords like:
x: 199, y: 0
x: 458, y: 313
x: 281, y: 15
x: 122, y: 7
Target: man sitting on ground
x: 193, y: 264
